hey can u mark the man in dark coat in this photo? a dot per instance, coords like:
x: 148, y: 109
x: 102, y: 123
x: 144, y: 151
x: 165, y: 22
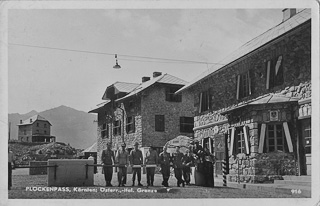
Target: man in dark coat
x: 136, y: 159
x: 107, y: 158
x: 187, y: 164
x: 122, y: 159
x: 164, y: 160
x: 178, y: 159
x: 151, y: 159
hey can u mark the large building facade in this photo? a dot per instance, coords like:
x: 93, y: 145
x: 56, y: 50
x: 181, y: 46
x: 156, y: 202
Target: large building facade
x: 35, y: 129
x: 255, y: 111
x: 148, y: 113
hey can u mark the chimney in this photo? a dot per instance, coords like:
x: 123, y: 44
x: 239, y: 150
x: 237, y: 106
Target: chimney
x: 288, y: 13
x: 30, y: 120
x: 20, y: 121
x: 156, y: 74
x: 144, y: 79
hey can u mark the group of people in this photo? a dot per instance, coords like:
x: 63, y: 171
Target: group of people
x: 181, y: 163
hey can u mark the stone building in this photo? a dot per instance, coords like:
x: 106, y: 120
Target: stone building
x: 35, y: 129
x: 148, y: 113
x: 255, y: 110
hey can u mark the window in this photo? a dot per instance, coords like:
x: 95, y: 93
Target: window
x: 117, y: 127
x: 130, y: 125
x: 186, y: 124
x: 131, y: 104
x: 24, y: 132
x: 37, y: 131
x: 205, y: 100
x: 45, y: 125
x: 239, y: 142
x: 171, y: 96
x: 159, y: 123
x: 275, y: 140
x: 37, y: 124
x: 105, y: 131
x: 45, y: 132
x: 243, y: 85
x: 274, y: 72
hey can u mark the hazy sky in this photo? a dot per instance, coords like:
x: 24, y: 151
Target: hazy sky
x: 40, y: 79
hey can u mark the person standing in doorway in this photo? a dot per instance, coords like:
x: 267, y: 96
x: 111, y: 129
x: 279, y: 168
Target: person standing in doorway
x: 136, y: 159
x: 107, y: 159
x: 151, y: 159
x: 178, y: 159
x: 122, y: 158
x: 208, y: 161
x: 187, y: 164
x: 164, y: 160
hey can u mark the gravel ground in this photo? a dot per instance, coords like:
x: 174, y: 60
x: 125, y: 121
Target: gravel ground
x: 21, y: 182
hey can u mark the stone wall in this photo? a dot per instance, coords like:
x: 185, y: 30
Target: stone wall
x: 154, y: 103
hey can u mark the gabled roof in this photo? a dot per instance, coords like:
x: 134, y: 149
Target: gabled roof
x: 33, y: 119
x: 99, y: 106
x: 270, y: 35
x: 92, y: 148
x: 265, y: 99
x: 121, y: 87
x: 164, y: 78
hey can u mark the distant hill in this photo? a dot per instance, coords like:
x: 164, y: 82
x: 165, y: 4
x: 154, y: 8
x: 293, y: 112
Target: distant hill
x: 68, y: 125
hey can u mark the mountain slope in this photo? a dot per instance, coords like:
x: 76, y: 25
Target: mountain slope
x: 68, y: 125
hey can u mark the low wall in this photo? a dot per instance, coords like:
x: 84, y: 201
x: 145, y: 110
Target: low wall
x: 39, y: 170
x: 70, y: 172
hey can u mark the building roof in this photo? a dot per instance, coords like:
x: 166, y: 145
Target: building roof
x: 268, y: 36
x: 164, y: 78
x: 99, y: 106
x: 265, y: 99
x: 33, y: 119
x: 121, y: 87
x: 92, y: 148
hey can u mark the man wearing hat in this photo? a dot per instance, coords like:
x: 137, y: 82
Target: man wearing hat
x: 107, y: 158
x: 151, y: 159
x: 178, y: 159
x: 136, y: 158
x: 122, y: 158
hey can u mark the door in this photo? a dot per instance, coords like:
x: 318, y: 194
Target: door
x: 219, y: 152
x: 306, y: 139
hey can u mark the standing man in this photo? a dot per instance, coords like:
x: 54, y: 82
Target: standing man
x: 164, y: 160
x: 178, y: 159
x: 107, y: 159
x: 208, y: 161
x: 136, y: 159
x: 151, y: 159
x: 187, y: 164
x: 122, y: 158
x: 10, y: 162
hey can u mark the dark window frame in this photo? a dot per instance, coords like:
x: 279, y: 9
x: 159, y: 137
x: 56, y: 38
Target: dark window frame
x: 130, y: 125
x: 205, y: 101
x: 272, y: 133
x: 274, y: 78
x: 159, y: 123
x: 243, y: 85
x: 239, y: 141
x: 171, y: 96
x: 117, y: 127
x: 186, y: 124
x: 105, y: 131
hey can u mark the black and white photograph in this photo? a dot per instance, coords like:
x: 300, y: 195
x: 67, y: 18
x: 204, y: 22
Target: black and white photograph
x: 136, y: 102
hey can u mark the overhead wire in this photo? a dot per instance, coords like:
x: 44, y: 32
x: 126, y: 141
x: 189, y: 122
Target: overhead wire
x: 160, y: 60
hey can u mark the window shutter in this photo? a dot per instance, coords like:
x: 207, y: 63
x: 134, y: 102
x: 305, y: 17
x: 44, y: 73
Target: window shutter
x: 202, y: 143
x: 238, y: 86
x: 262, y: 136
x: 288, y: 137
x: 249, y: 82
x: 278, y: 64
x: 210, y: 148
x: 268, y: 75
x: 200, y: 104
x: 246, y: 138
x: 232, y: 141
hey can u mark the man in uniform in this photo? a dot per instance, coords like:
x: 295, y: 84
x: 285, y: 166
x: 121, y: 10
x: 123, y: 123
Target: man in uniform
x: 136, y: 158
x: 187, y: 163
x: 107, y: 158
x: 151, y: 159
x: 178, y: 159
x: 122, y: 158
x: 164, y: 160
x: 10, y: 162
